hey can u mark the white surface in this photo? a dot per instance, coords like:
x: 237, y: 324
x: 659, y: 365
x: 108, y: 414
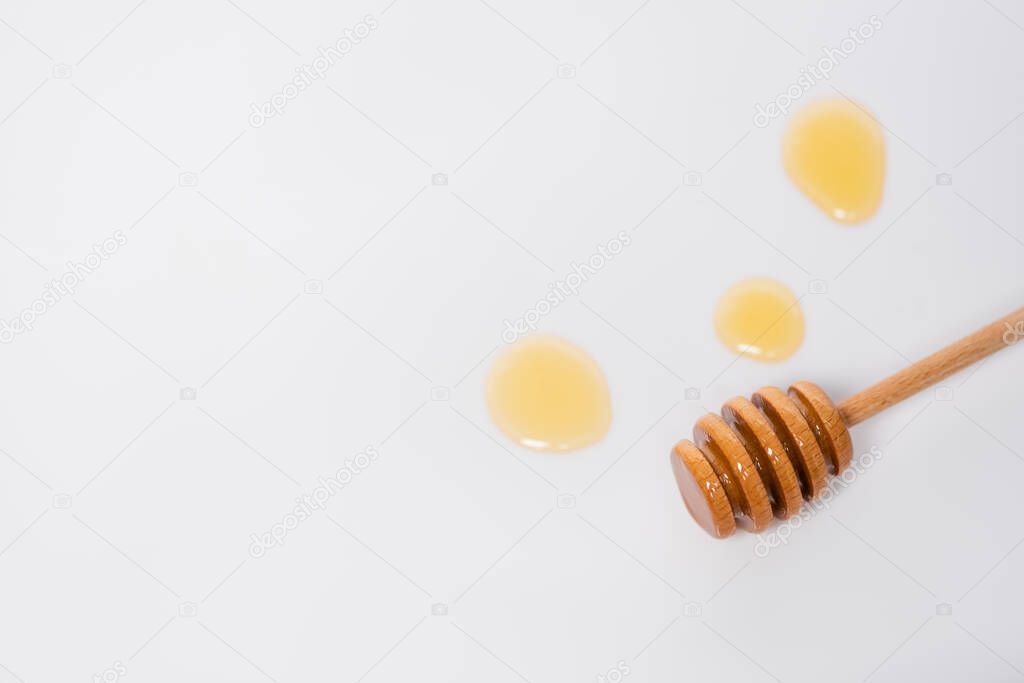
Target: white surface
x: 208, y: 293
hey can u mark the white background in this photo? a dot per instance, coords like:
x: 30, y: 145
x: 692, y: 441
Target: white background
x: 126, y: 512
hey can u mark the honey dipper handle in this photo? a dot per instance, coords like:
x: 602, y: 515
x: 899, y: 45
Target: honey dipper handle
x: 928, y: 371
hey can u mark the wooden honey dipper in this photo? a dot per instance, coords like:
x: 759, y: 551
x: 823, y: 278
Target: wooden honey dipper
x: 763, y: 457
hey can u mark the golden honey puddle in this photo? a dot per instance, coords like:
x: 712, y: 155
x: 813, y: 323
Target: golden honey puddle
x: 760, y: 318
x: 834, y: 153
x: 548, y: 394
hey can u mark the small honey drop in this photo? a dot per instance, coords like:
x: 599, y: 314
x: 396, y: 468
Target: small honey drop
x: 760, y: 318
x: 548, y: 394
x: 834, y: 152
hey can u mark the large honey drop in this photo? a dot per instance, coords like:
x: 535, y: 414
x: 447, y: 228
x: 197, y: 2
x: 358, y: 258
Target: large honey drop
x: 547, y: 394
x: 760, y: 318
x: 834, y: 153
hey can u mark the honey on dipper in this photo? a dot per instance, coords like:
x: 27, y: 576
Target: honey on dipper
x: 762, y: 457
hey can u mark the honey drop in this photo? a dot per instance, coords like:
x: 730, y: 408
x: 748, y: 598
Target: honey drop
x: 760, y: 318
x: 547, y: 394
x: 834, y: 152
